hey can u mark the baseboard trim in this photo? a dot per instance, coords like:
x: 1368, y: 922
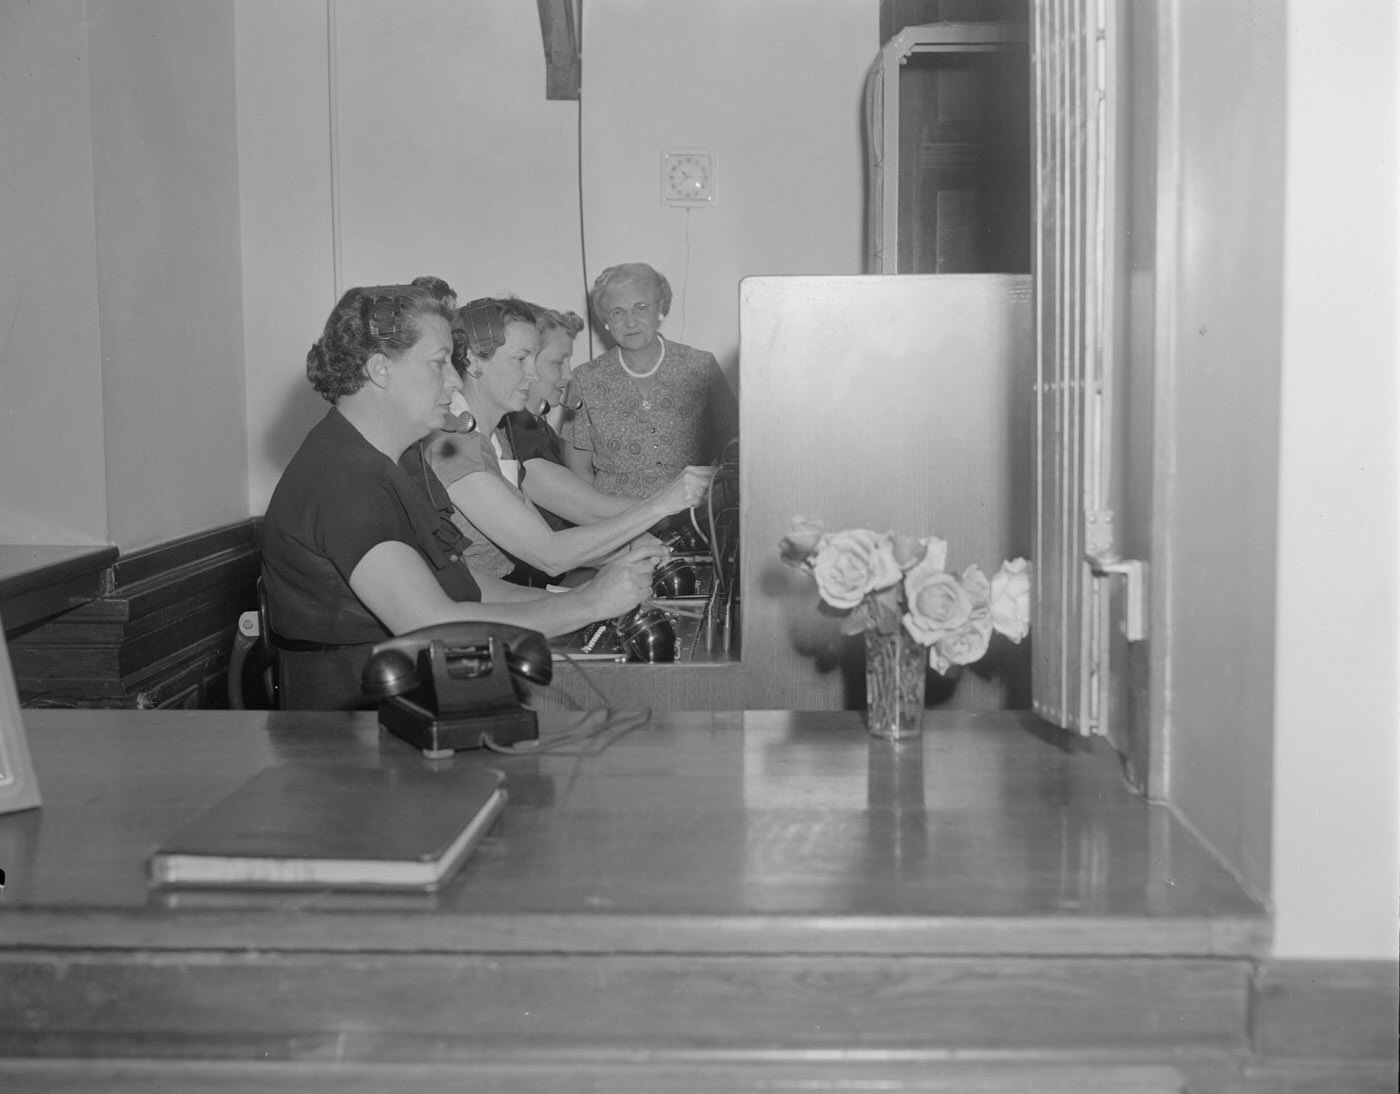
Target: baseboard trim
x: 1343, y: 1010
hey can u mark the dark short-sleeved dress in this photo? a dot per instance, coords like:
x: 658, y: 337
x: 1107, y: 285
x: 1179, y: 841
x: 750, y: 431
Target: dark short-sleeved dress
x: 338, y: 498
x: 640, y: 443
x: 529, y: 437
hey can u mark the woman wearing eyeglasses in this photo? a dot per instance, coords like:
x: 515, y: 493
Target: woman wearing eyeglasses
x: 651, y: 406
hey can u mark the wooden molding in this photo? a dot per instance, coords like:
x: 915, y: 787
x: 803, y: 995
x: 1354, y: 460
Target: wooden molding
x: 38, y: 582
x: 560, y: 27
x: 1328, y: 1009
x: 158, y: 633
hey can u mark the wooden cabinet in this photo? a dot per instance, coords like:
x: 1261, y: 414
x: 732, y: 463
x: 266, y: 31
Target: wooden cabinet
x: 949, y: 124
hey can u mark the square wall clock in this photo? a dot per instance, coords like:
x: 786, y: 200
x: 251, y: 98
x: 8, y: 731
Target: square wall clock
x: 688, y: 177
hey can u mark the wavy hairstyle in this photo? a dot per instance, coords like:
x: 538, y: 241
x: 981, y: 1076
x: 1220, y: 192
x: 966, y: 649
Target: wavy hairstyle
x: 570, y: 322
x: 480, y: 325
x: 368, y: 320
x: 623, y: 274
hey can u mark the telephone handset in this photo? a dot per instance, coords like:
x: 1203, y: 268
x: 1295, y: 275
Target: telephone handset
x: 449, y: 686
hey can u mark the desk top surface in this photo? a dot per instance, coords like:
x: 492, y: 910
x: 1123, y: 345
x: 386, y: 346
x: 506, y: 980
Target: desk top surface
x: 790, y: 830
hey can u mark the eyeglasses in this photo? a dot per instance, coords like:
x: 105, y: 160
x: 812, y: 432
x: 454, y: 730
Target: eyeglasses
x: 640, y: 312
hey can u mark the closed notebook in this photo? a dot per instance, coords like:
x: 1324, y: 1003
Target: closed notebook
x: 336, y: 826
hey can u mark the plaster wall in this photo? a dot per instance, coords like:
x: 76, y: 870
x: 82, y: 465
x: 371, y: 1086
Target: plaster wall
x: 165, y: 160
x: 50, y: 356
x: 1335, y: 847
x: 479, y: 181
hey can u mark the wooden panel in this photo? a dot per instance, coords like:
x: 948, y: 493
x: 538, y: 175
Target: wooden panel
x: 502, y: 1074
x: 1343, y: 1009
x: 37, y: 582
x: 698, y: 886
x: 915, y: 416
x: 895, y: 15
x: 443, y: 1007
x: 160, y: 635
x: 563, y: 48
x: 763, y: 833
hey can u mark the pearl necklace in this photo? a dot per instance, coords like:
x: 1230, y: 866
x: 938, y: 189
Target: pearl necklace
x: 643, y: 375
x: 646, y: 396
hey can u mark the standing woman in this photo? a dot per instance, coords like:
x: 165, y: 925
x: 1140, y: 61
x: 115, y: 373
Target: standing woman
x: 651, y: 406
x: 353, y: 549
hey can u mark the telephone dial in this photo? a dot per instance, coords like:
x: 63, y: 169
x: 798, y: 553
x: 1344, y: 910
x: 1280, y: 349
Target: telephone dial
x: 449, y: 686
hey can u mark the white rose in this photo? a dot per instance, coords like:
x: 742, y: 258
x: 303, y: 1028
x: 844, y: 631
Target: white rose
x: 1010, y: 603
x: 850, y: 564
x: 797, y: 546
x: 938, y: 604
x: 910, y: 552
x: 969, y: 643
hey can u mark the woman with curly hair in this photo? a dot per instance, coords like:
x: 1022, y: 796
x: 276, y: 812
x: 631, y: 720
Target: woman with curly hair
x: 353, y: 548
x: 650, y: 405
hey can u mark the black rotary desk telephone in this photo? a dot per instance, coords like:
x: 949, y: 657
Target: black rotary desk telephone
x: 449, y: 686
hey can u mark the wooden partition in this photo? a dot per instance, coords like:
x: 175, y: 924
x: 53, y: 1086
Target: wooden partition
x: 891, y: 403
x: 899, y: 402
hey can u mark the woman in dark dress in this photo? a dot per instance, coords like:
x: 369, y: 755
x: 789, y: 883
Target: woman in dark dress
x: 353, y: 549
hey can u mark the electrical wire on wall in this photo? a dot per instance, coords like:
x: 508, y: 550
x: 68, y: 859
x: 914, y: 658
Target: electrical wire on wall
x: 685, y: 275
x: 582, y: 220
x: 578, y: 166
x: 333, y: 106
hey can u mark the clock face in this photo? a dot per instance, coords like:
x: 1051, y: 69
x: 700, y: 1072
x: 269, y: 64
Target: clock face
x: 687, y: 178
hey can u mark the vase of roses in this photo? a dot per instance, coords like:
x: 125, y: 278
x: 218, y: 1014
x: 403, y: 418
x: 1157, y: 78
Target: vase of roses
x: 915, y: 614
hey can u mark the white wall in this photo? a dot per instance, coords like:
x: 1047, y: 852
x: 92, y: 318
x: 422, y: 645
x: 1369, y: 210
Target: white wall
x: 1335, y: 753
x: 449, y: 160
x: 52, y: 488
x: 165, y: 164
x: 120, y: 313
x: 285, y: 222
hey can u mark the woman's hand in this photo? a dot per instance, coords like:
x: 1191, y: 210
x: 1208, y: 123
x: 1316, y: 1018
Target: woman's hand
x: 686, y: 490
x: 624, y: 582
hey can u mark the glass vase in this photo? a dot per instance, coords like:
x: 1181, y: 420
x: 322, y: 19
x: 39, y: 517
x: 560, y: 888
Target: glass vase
x: 895, y: 669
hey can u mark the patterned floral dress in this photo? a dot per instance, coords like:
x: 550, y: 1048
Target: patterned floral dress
x: 642, y: 434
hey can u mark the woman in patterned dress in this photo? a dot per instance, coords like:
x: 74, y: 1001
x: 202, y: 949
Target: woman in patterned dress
x: 651, y: 406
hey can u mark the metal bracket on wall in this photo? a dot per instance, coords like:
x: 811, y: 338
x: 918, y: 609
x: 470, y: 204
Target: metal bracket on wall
x: 1135, y: 609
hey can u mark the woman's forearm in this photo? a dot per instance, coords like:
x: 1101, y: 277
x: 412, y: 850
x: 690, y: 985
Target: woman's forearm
x: 516, y: 528
x: 579, y: 462
x: 397, y: 587
x: 556, y: 488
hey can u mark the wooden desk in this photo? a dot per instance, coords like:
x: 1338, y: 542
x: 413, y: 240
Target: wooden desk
x: 758, y: 883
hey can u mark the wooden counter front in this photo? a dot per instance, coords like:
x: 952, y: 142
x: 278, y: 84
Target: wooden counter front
x: 759, y: 881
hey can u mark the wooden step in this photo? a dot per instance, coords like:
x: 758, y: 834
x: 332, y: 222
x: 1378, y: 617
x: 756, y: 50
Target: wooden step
x: 523, y: 1076
x: 450, y: 1006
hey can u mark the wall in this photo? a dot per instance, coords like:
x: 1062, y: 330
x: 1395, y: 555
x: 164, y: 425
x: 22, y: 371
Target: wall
x: 774, y: 89
x: 119, y: 271
x: 1219, y: 400
x: 285, y: 221
x: 50, y: 355
x: 165, y: 163
x: 1335, y: 760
